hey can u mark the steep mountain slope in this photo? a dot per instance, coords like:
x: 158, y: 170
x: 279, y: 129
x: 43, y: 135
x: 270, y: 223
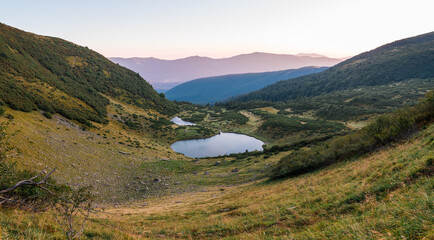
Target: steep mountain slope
x: 57, y: 76
x: 215, y: 89
x: 165, y: 74
x: 395, y: 62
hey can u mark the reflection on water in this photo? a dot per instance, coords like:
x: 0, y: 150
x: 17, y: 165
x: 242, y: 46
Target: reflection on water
x: 224, y: 143
x: 179, y: 121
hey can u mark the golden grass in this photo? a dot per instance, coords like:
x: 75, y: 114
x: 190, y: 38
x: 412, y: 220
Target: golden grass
x: 89, y: 157
x: 271, y: 110
x: 381, y: 195
x: 75, y: 61
x: 356, y: 125
x: 254, y: 121
x: 306, y: 207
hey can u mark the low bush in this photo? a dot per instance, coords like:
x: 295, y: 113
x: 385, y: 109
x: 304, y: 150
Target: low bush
x: 27, y: 195
x: 48, y: 115
x: 234, y: 117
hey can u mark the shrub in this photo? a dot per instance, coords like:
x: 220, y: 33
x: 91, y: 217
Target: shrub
x: 48, y: 115
x: 383, y: 130
x: 28, y: 195
x: 9, y: 116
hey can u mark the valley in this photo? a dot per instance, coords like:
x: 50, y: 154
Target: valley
x: 347, y: 150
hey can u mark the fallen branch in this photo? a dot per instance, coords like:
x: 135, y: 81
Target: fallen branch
x: 31, y: 183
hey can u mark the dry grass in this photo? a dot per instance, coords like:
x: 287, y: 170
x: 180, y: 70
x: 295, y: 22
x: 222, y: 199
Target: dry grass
x: 91, y: 157
x: 254, y: 121
x: 319, y: 205
x: 385, y: 195
x: 271, y: 110
x: 356, y: 125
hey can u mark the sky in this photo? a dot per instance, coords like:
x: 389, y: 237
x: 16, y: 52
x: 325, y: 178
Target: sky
x: 171, y: 29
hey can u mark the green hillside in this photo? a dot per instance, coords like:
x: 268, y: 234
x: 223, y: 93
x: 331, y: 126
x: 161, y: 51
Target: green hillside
x: 220, y: 88
x: 402, y: 60
x: 57, y: 76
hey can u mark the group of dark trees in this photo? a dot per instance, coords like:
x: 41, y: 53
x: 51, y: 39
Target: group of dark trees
x: 395, y: 62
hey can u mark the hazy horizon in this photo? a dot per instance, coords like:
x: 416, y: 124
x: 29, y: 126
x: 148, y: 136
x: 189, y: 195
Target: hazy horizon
x: 170, y: 29
x: 229, y: 56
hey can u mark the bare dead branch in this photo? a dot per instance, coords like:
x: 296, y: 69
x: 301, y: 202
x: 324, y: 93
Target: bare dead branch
x: 31, y: 183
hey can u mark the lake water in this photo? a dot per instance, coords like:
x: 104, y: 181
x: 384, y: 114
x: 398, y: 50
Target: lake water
x: 224, y: 143
x: 179, y: 121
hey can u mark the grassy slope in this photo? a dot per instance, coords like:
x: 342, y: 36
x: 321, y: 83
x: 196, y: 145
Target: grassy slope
x: 92, y: 157
x: 54, y: 75
x: 387, y: 194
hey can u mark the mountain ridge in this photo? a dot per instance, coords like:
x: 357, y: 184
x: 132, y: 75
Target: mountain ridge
x: 218, y: 88
x: 165, y: 74
x: 58, y: 76
x: 393, y: 62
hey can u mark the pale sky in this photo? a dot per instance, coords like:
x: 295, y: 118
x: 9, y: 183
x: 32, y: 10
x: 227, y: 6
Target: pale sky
x: 172, y: 29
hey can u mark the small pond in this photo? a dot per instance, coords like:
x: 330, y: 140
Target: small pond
x: 224, y: 143
x: 180, y: 122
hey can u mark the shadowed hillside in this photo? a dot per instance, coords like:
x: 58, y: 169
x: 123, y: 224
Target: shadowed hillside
x: 215, y: 89
x: 395, y: 62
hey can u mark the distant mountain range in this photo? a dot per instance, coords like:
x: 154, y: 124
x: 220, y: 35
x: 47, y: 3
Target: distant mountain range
x: 410, y: 58
x: 219, y: 88
x: 165, y: 74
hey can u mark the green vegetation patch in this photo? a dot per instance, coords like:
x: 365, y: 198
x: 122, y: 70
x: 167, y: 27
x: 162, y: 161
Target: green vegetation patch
x: 384, y: 129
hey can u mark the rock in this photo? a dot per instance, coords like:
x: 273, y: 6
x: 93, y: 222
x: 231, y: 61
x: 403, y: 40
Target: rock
x: 125, y: 153
x: 144, y: 205
x: 222, y: 189
x: 224, y: 210
x: 235, y: 170
x: 157, y: 180
x: 177, y: 183
x: 195, y: 172
x: 217, y: 163
x: 195, y: 160
x: 206, y: 173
